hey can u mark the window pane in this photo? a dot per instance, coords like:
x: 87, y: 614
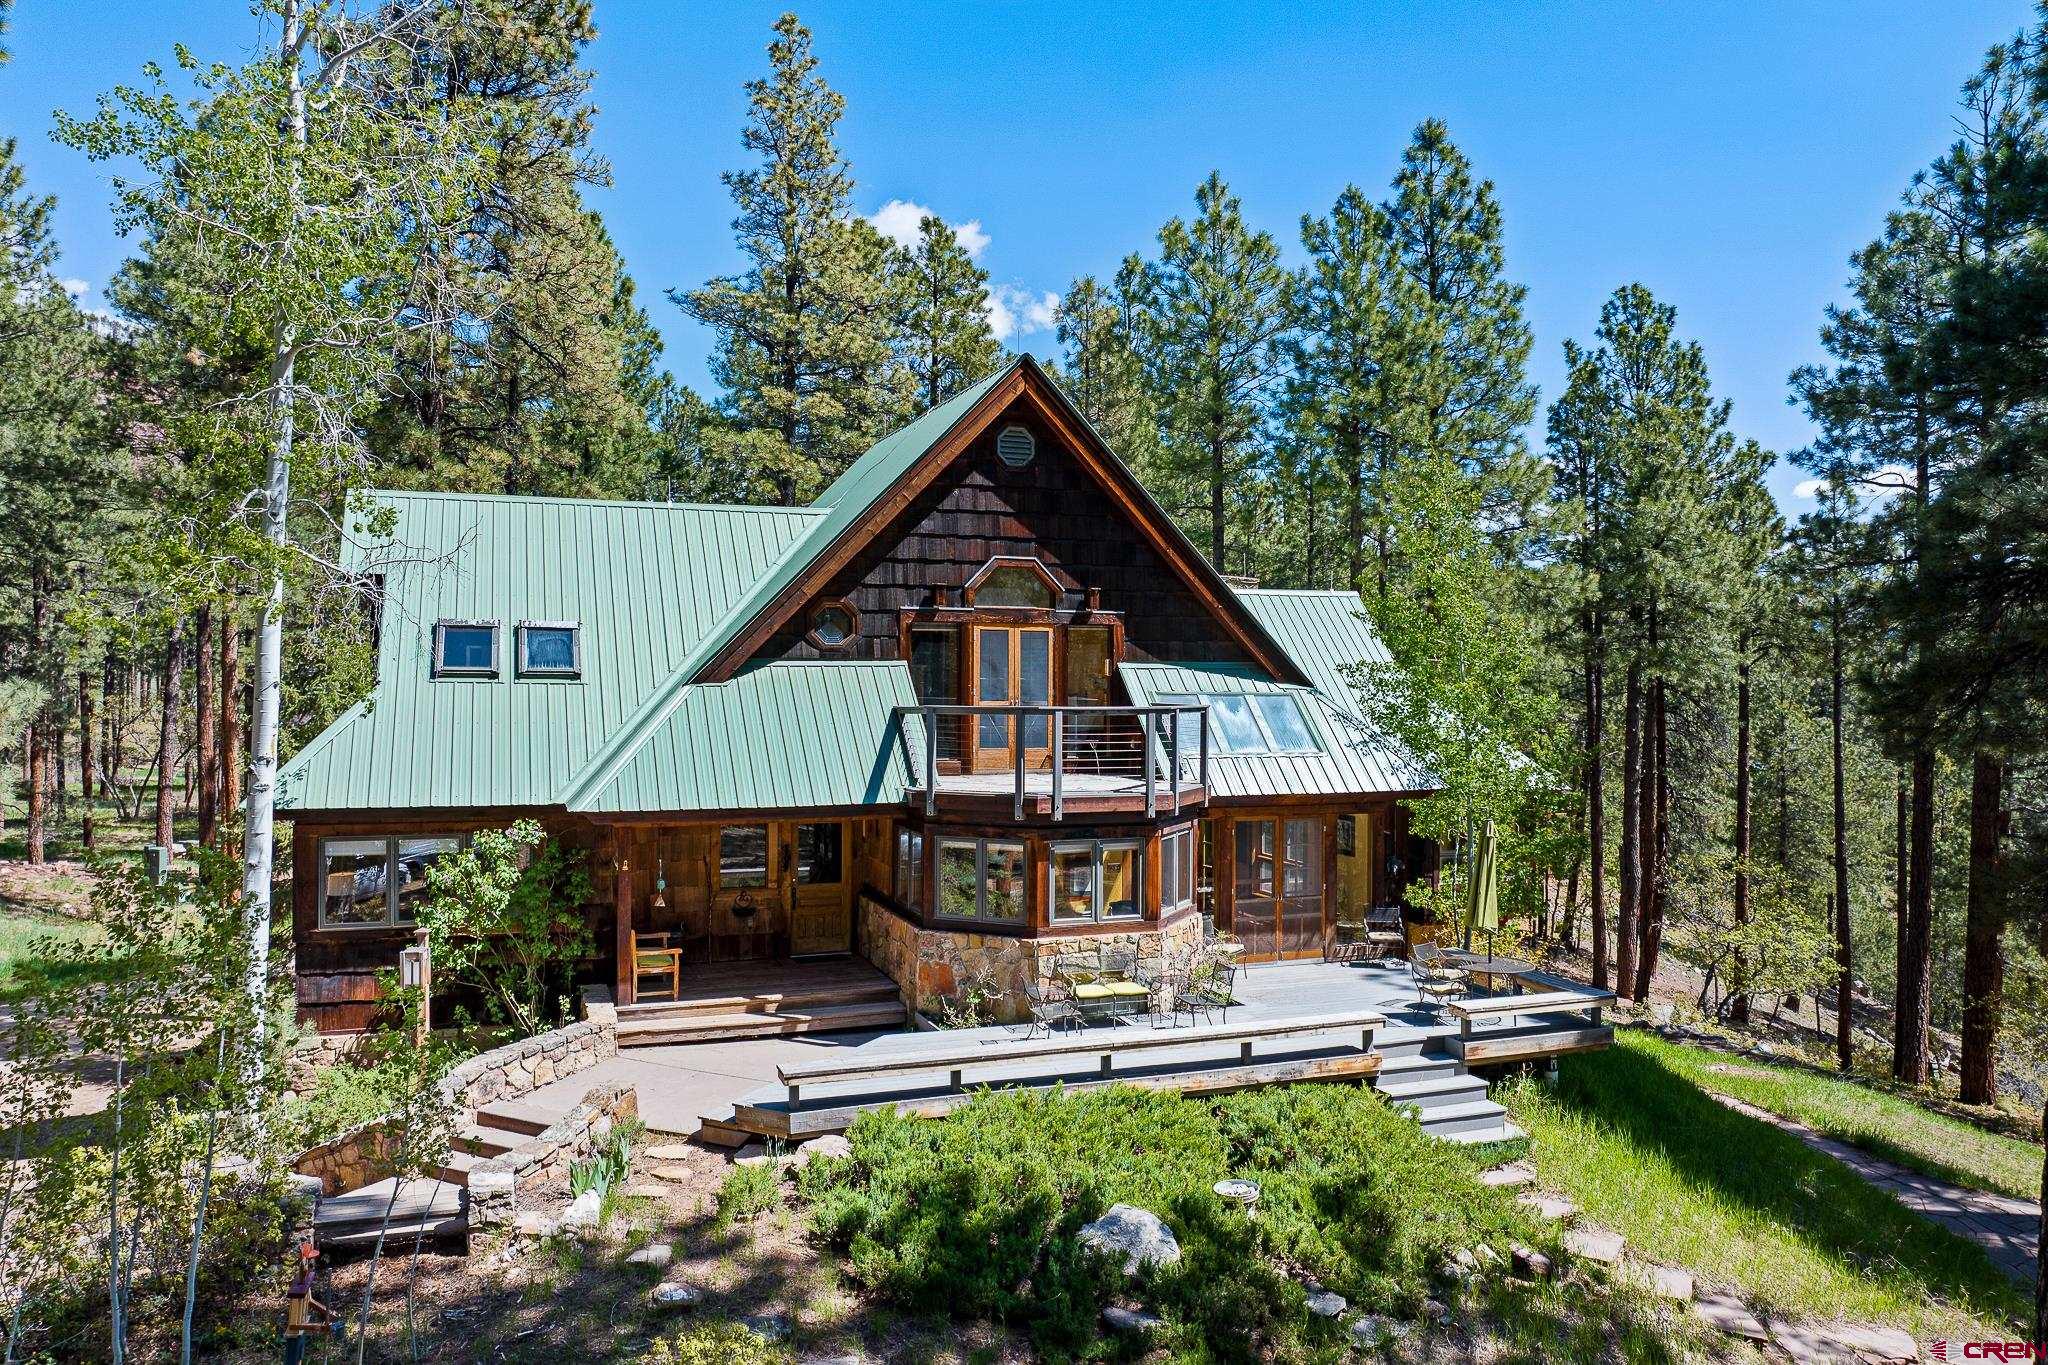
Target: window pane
x: 1003, y: 885
x: 1233, y: 727
x: 415, y: 856
x: 549, y: 649
x: 1034, y: 682
x: 1304, y: 858
x: 1088, y: 666
x: 935, y: 666
x: 1190, y: 725
x: 1012, y: 585
x: 1284, y: 723
x: 957, y: 881
x: 819, y: 861
x: 1255, y: 858
x: 899, y: 883
x: 1121, y: 882
x: 352, y: 881
x: 743, y: 855
x: 467, y: 648
x: 1169, y: 869
x: 833, y: 625
x: 1073, y: 883
x: 1183, y: 884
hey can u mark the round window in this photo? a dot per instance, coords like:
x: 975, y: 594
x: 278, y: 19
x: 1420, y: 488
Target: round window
x: 832, y: 624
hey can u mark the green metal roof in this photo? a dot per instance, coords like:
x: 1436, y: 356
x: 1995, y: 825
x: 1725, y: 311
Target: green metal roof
x: 780, y: 735
x: 647, y: 582
x: 1324, y: 633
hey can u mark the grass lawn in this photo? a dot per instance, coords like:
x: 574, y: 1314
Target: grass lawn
x: 1889, y: 1126
x: 21, y: 936
x: 1631, y: 1139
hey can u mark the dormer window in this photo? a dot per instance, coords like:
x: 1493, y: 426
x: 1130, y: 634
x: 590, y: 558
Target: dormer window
x: 550, y: 649
x: 1010, y: 582
x: 465, y: 649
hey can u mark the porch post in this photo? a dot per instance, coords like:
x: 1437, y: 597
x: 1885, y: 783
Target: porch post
x: 622, y: 918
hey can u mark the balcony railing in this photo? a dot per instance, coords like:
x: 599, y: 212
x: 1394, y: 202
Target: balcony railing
x: 1058, y: 752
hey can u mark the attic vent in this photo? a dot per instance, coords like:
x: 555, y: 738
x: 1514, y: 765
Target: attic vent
x: 1016, y: 446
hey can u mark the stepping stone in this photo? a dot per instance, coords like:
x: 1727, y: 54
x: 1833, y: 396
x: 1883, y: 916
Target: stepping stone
x: 658, y: 1254
x: 1665, y: 1281
x: 1551, y: 1208
x: 1594, y: 1244
x: 1326, y: 1303
x: 669, y: 1151
x: 648, y: 1189
x: 1809, y: 1345
x: 1726, y: 1313
x: 1888, y: 1344
x: 1530, y: 1263
x: 1372, y: 1329
x: 1511, y: 1176
x: 680, y: 1174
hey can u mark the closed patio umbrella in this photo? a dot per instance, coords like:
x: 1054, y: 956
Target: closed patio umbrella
x: 1482, y: 893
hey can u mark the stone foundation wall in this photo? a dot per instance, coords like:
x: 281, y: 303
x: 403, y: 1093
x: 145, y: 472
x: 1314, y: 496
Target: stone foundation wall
x: 930, y: 966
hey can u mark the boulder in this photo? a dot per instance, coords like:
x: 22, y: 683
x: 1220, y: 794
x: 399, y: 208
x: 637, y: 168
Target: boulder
x: 584, y: 1210
x: 1135, y: 1320
x: 1530, y: 1263
x: 831, y: 1147
x: 1326, y: 1303
x: 1137, y: 1237
x: 531, y: 1224
x: 674, y: 1295
x: 657, y: 1254
x: 771, y: 1326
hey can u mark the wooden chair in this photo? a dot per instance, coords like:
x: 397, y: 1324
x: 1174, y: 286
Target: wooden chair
x: 653, y: 955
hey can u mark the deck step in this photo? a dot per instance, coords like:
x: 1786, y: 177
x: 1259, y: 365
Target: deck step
x: 456, y: 1166
x: 422, y: 1208
x: 1436, y: 1092
x: 704, y: 1028
x: 1416, y: 1067
x: 796, y: 996
x: 1462, y: 1118
x: 722, y: 1129
x: 517, y: 1116
x: 428, y: 1229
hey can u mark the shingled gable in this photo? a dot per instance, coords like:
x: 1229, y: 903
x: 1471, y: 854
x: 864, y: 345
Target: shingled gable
x: 884, y: 481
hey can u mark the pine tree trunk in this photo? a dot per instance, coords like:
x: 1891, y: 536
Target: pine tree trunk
x: 86, y: 785
x: 230, y: 715
x: 1900, y: 858
x: 1631, y: 831
x: 1983, y: 957
x: 1738, y: 973
x: 1596, y: 806
x: 1658, y: 797
x: 1845, y: 962
x: 203, y: 717
x: 167, y: 734
x: 38, y: 819
x: 1915, y: 1002
x: 1217, y: 522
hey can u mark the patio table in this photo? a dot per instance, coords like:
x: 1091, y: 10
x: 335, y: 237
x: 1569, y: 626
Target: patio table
x: 1492, y: 968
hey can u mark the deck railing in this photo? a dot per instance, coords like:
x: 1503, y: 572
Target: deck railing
x: 1059, y: 751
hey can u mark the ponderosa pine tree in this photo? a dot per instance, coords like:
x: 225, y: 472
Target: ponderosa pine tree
x: 804, y: 348
x: 945, y: 339
x: 1101, y: 333
x: 1464, y: 384
x: 1213, y: 351
x: 1353, y: 304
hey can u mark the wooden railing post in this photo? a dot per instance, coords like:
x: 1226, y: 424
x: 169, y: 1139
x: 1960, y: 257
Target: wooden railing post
x: 931, y: 761
x: 1173, y: 756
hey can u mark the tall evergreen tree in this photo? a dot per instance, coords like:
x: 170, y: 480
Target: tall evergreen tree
x: 1101, y: 331
x: 1464, y: 380
x: 1348, y: 372
x: 946, y: 340
x: 804, y: 335
x: 1220, y: 311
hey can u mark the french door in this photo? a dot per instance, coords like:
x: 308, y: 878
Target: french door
x: 1012, y: 667
x: 1277, y: 905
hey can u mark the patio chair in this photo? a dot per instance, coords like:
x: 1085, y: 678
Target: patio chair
x: 1208, y: 987
x: 1385, y: 930
x: 653, y: 955
x: 1347, y: 941
x: 1437, y: 982
x: 1052, y: 1007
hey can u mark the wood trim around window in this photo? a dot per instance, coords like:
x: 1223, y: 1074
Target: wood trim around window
x: 811, y: 636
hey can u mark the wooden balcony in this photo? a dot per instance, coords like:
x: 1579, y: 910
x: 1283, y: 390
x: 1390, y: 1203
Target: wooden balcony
x: 1049, y: 762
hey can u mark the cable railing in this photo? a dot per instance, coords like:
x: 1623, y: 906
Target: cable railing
x: 1057, y: 752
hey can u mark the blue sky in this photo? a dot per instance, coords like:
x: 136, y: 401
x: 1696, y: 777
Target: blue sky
x: 1728, y: 155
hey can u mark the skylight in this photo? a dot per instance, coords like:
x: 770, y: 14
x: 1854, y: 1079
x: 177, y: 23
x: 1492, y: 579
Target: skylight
x: 1242, y: 724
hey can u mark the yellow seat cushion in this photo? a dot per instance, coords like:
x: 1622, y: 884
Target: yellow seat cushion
x: 1092, y: 990
x: 1126, y: 988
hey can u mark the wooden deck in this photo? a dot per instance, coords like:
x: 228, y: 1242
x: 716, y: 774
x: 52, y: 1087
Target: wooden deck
x: 765, y: 999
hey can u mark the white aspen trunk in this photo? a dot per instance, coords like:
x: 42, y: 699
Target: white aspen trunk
x: 260, y: 806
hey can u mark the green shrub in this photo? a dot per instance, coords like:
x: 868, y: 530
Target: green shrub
x: 747, y: 1191
x: 717, y: 1343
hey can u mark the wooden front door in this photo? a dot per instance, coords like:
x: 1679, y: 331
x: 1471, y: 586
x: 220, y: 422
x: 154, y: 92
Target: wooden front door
x: 819, y: 887
x: 1012, y: 667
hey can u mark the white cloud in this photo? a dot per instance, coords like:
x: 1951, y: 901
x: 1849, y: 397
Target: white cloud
x: 1880, y: 483
x: 900, y: 219
x: 1013, y: 309
x: 75, y: 288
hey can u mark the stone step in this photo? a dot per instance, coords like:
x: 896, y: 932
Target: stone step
x: 456, y: 1166
x: 1416, y: 1066
x: 1511, y: 1176
x: 1480, y: 1137
x: 518, y: 1116
x: 422, y: 1207
x: 703, y: 1028
x: 480, y: 1140
x: 722, y: 1130
x: 426, y: 1229
x: 1551, y: 1208
x: 796, y: 998
x: 1590, y: 1243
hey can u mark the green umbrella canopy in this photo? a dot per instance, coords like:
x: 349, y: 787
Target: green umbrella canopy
x: 1482, y: 897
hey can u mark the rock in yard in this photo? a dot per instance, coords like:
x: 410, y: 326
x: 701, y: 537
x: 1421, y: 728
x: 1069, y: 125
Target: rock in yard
x: 831, y: 1147
x: 1510, y: 1176
x: 680, y: 1174
x: 1120, y: 1319
x: 1140, y: 1238
x: 1325, y: 1303
x: 583, y: 1211
x: 1530, y: 1263
x: 753, y: 1154
x: 1433, y: 1311
x: 1662, y: 1013
x: 1594, y: 1244
x: 1372, y: 1329
x: 1551, y: 1208
x: 1665, y: 1281
x: 1810, y: 1345
x: 674, y: 1295
x: 1462, y: 1265
x: 654, y: 1254
x: 1875, y: 1343
x: 528, y: 1223
x: 669, y: 1151
x: 773, y: 1326
x: 1726, y: 1313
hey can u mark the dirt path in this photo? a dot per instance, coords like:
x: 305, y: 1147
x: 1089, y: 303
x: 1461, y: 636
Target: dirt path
x: 2005, y: 1227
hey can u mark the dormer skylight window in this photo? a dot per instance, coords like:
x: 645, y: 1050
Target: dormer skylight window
x: 1242, y: 724
x: 465, y: 649
x: 550, y: 649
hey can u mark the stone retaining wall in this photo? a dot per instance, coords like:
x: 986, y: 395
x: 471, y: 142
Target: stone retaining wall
x: 547, y: 1155
x: 930, y: 966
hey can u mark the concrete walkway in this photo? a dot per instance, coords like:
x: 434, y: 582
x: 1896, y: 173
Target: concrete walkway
x: 2005, y: 1227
